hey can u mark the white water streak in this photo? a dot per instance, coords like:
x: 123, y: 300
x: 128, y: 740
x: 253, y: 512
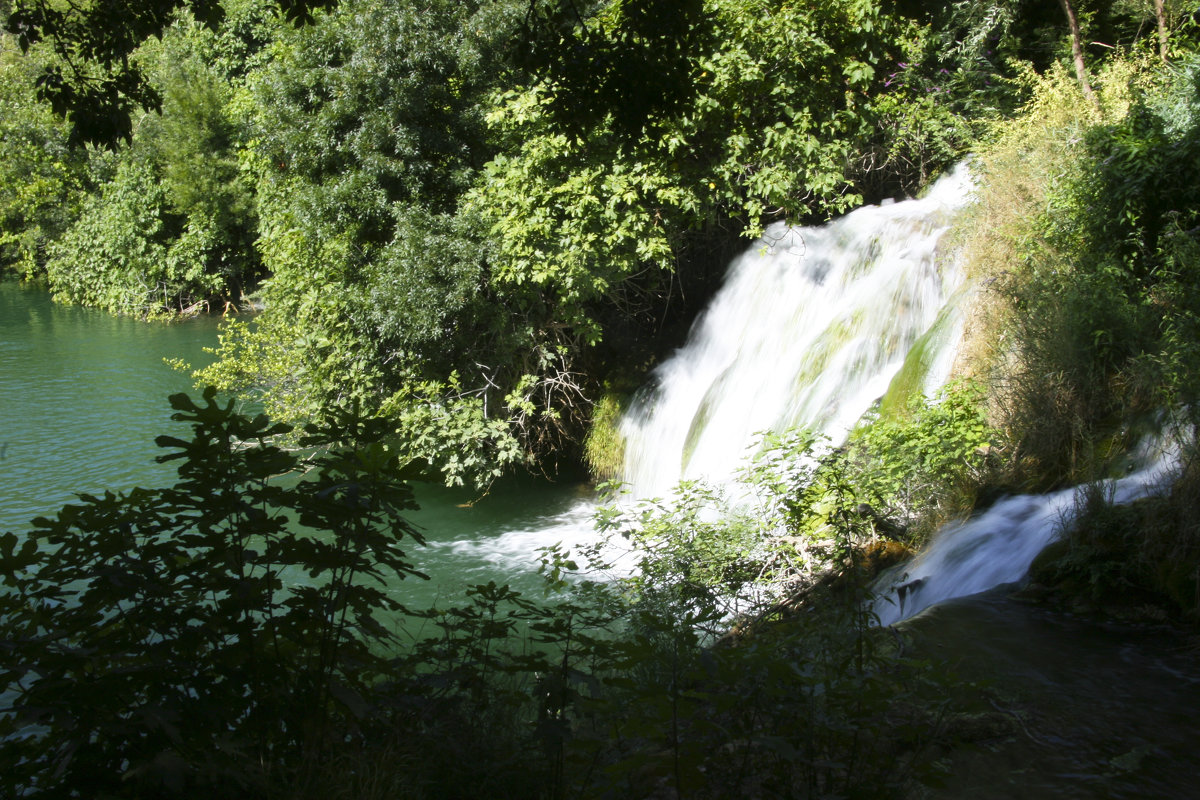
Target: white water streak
x: 809, y: 329
x: 999, y: 545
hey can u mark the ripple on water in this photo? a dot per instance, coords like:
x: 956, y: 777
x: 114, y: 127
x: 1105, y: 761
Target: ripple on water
x: 79, y: 393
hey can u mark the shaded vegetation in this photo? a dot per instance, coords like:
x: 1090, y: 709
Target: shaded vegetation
x: 192, y: 641
x: 458, y: 241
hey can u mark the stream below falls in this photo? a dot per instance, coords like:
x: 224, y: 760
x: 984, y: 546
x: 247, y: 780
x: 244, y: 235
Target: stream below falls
x: 1061, y: 706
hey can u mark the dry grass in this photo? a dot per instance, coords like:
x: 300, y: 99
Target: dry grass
x: 1041, y: 409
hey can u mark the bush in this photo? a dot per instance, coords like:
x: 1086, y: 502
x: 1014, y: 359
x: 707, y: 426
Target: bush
x: 193, y: 642
x: 924, y: 466
x: 162, y: 642
x: 1082, y: 241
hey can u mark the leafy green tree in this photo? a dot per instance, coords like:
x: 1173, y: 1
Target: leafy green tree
x: 174, y: 230
x: 96, y: 83
x: 444, y: 266
x: 631, y: 61
x: 192, y: 641
x: 120, y: 254
x: 42, y: 180
x: 378, y: 291
x: 781, y: 119
x: 923, y: 465
x: 196, y: 141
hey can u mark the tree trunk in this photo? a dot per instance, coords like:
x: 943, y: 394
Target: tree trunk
x: 1160, y: 14
x: 1077, y: 55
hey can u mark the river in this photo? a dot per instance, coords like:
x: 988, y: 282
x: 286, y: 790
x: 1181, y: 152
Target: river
x: 83, y: 394
x: 1067, y: 707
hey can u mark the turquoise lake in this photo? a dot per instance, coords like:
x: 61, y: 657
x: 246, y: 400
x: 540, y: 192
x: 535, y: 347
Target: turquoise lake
x: 83, y: 395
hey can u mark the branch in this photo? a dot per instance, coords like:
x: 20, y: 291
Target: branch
x: 1077, y: 55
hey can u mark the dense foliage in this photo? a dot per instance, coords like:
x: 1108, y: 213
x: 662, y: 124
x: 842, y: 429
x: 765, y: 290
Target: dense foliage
x: 1095, y: 215
x: 42, y: 181
x: 166, y: 225
x: 1090, y: 340
x: 195, y: 641
x: 468, y: 215
x: 377, y: 291
x: 95, y: 80
x: 468, y: 226
x: 456, y: 217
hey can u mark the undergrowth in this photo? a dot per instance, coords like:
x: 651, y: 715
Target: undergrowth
x: 1142, y: 558
x: 161, y: 643
x: 1086, y: 245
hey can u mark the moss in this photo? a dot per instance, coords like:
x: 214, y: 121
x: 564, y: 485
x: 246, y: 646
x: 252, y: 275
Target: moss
x: 910, y: 381
x: 838, y: 333
x: 1045, y: 567
x: 696, y: 429
x: 1180, y: 581
x: 604, y: 447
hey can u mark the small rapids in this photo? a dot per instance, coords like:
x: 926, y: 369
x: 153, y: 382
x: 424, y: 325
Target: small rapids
x: 809, y: 329
x: 999, y: 545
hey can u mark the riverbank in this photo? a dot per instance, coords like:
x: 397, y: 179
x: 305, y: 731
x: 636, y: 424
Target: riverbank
x: 1057, y: 705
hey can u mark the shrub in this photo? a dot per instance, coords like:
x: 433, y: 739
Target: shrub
x: 161, y: 642
x: 194, y: 642
x: 926, y: 464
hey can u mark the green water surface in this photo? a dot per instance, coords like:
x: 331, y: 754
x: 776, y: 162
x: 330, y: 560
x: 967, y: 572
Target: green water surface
x: 83, y: 395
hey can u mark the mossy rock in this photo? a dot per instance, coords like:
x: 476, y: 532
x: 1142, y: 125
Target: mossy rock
x: 883, y: 554
x: 604, y: 447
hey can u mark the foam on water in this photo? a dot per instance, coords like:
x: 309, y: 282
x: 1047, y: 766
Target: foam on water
x: 999, y: 545
x: 810, y: 327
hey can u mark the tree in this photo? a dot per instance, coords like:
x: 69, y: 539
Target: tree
x: 631, y: 61
x: 173, y: 229
x: 192, y: 641
x: 1160, y: 19
x: 97, y: 84
x: 783, y: 100
x: 43, y: 182
x: 1081, y: 72
x: 368, y: 127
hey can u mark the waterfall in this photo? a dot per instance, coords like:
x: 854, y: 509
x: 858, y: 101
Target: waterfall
x: 999, y: 545
x: 809, y: 329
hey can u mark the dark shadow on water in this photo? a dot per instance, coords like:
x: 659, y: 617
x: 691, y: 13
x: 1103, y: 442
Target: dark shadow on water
x: 1096, y: 709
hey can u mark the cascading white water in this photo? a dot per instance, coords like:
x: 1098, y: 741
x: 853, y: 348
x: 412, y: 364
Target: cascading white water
x: 809, y: 329
x: 999, y: 545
